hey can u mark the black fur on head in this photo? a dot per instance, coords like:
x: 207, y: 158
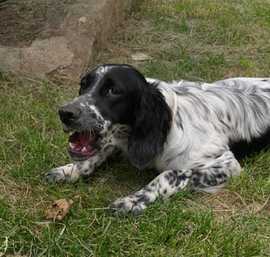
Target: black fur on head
x: 138, y: 104
x: 122, y: 95
x: 150, y: 126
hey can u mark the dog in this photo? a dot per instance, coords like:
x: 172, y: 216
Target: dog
x: 193, y: 133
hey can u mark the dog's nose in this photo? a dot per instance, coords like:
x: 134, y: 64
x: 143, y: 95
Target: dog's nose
x: 69, y: 113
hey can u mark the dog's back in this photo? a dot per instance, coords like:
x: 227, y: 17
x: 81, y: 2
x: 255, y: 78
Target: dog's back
x: 237, y: 108
x: 258, y: 91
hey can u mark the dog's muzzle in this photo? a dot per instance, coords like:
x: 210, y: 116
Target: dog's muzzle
x: 69, y: 113
x: 84, y: 142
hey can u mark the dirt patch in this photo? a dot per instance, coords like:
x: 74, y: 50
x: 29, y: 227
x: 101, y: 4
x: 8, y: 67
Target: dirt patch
x: 22, y: 20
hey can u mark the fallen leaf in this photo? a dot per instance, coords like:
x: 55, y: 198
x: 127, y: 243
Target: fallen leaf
x: 58, y: 210
x: 140, y: 57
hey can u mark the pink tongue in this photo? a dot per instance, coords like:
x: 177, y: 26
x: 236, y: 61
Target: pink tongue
x: 81, y: 141
x: 82, y: 138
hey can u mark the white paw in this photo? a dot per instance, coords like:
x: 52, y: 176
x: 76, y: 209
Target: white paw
x: 63, y: 174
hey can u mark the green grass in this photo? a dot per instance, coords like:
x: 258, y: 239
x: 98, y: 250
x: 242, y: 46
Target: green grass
x: 194, y: 40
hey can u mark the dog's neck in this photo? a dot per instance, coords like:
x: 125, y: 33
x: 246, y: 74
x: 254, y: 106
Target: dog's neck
x: 174, y: 107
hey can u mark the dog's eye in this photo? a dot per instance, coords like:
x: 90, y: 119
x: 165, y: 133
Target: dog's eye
x: 113, y: 91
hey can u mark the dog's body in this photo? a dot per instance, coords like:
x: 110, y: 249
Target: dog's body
x: 189, y: 131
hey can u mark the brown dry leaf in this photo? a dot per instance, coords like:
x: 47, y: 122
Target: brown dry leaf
x: 58, y: 210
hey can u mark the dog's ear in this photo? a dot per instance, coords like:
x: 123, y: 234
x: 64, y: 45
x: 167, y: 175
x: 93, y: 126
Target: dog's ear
x: 149, y: 129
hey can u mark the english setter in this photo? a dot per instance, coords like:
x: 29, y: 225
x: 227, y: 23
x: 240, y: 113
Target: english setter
x: 191, y: 132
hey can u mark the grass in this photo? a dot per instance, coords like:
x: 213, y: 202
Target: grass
x: 195, y: 40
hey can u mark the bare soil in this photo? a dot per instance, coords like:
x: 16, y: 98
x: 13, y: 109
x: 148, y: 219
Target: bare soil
x: 22, y: 20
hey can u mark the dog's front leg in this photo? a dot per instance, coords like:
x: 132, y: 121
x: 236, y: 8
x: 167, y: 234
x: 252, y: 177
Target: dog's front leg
x: 63, y: 174
x: 73, y: 171
x: 170, y: 182
x: 165, y: 185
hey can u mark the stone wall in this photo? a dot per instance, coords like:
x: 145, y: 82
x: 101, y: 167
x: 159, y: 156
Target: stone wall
x: 66, y: 45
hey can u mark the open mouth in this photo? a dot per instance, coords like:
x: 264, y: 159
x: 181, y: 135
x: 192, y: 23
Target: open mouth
x: 83, y: 145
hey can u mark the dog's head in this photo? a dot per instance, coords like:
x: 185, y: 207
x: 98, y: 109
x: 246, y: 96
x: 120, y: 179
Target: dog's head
x: 117, y: 94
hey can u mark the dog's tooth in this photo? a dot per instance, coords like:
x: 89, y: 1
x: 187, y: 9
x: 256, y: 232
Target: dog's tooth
x: 72, y: 146
x: 84, y: 150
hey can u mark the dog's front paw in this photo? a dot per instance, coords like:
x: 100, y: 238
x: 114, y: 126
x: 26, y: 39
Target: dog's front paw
x: 63, y: 174
x: 130, y: 205
x: 56, y: 176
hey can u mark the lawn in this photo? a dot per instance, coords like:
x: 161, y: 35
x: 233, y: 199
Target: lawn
x: 203, y: 40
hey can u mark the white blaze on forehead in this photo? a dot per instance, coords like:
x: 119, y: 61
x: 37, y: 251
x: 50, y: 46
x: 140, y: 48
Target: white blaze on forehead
x: 104, y: 69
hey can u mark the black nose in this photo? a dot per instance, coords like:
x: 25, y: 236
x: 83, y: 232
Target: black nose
x: 69, y: 113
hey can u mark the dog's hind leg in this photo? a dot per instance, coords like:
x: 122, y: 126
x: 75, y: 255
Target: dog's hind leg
x: 215, y: 177
x: 170, y: 182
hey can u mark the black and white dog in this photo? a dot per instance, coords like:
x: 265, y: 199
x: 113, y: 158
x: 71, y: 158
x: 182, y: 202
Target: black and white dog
x: 191, y: 132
